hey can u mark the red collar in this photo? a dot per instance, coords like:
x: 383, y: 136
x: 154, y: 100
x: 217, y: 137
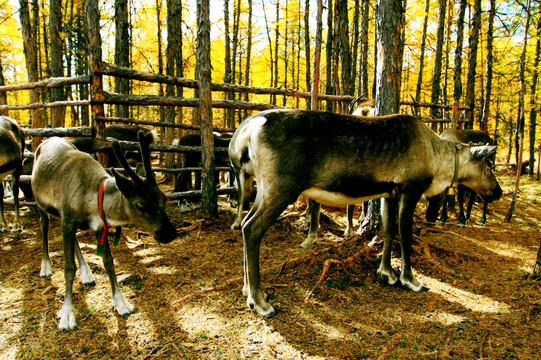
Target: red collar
x: 106, y: 226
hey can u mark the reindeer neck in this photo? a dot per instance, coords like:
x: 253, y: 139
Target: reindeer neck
x: 114, y: 204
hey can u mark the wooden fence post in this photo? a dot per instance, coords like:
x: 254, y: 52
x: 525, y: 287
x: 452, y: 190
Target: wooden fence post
x: 209, y: 204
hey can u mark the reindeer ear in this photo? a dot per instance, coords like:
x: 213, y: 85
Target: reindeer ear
x: 481, y: 152
x: 123, y: 183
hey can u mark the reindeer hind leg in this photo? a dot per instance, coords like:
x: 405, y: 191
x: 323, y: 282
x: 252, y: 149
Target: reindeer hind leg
x: 268, y: 208
x: 385, y: 271
x: 46, y: 266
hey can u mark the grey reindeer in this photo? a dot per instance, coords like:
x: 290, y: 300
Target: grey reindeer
x: 11, y: 160
x: 71, y: 185
x: 342, y: 160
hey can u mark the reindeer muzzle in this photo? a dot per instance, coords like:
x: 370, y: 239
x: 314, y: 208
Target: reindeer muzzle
x: 166, y: 233
x: 496, y: 194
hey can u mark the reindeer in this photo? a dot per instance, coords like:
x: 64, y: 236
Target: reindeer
x: 435, y: 203
x: 342, y: 160
x: 69, y: 184
x: 11, y: 159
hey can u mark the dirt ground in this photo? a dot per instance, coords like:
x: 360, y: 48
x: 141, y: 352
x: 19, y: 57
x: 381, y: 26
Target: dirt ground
x: 482, y: 303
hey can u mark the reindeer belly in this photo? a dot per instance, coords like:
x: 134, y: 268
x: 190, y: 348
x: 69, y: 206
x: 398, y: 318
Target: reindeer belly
x: 333, y: 198
x: 349, y: 189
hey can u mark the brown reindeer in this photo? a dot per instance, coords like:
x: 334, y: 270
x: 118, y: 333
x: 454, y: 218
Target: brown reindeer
x: 69, y: 184
x: 342, y: 160
x: 11, y: 160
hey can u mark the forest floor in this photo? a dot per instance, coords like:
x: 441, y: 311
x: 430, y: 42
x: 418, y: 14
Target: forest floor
x: 483, y: 302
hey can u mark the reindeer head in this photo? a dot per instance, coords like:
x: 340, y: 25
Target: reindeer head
x: 476, y: 165
x: 146, y: 201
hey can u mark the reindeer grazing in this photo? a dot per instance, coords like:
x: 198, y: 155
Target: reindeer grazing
x: 69, y: 184
x: 342, y: 160
x: 460, y: 136
x: 11, y: 160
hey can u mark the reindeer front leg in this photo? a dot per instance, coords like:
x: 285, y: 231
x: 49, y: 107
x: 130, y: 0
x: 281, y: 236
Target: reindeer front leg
x: 349, y: 229
x: 119, y: 302
x: 406, y: 210
x: 17, y: 226
x: 385, y: 271
x: 66, y: 314
x: 84, y: 270
x: 3, y: 224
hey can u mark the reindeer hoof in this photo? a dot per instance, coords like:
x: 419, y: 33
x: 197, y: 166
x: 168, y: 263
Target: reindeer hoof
x: 413, y: 285
x: 310, y: 241
x: 46, y: 269
x: 461, y: 224
x: 387, y: 276
x: 67, y: 319
x: 349, y: 232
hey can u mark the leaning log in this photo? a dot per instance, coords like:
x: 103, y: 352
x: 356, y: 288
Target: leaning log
x: 47, y: 132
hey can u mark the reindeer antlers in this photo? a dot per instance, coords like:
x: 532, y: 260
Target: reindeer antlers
x: 144, y: 148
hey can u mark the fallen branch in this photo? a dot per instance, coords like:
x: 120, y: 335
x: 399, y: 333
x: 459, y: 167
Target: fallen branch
x: 326, y: 268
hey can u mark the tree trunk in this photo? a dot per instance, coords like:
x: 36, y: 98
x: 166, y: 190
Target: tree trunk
x: 390, y: 44
x: 343, y: 45
x: 55, y: 29
x: 317, y: 55
x: 286, y: 57
x: 229, y: 120
x: 520, y: 117
x: 444, y: 91
x: 271, y: 54
x: 472, y: 63
x: 307, y: 52
x: 248, y: 54
x: 174, y: 10
x: 458, y: 62
x: 82, y: 65
x: 160, y: 66
x: 363, y: 62
x: 30, y: 53
x: 436, y: 75
x: 3, y: 96
x: 488, y: 77
x: 422, y: 57
x: 209, y: 203
x: 276, y: 44
x: 355, y: 47
x: 42, y: 47
x: 329, y: 54
x: 533, y: 98
x: 122, y: 52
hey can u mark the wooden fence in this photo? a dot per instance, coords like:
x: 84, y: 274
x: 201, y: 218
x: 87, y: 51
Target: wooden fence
x: 99, y: 98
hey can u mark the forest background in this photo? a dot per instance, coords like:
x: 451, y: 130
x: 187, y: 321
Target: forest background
x: 270, y: 44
